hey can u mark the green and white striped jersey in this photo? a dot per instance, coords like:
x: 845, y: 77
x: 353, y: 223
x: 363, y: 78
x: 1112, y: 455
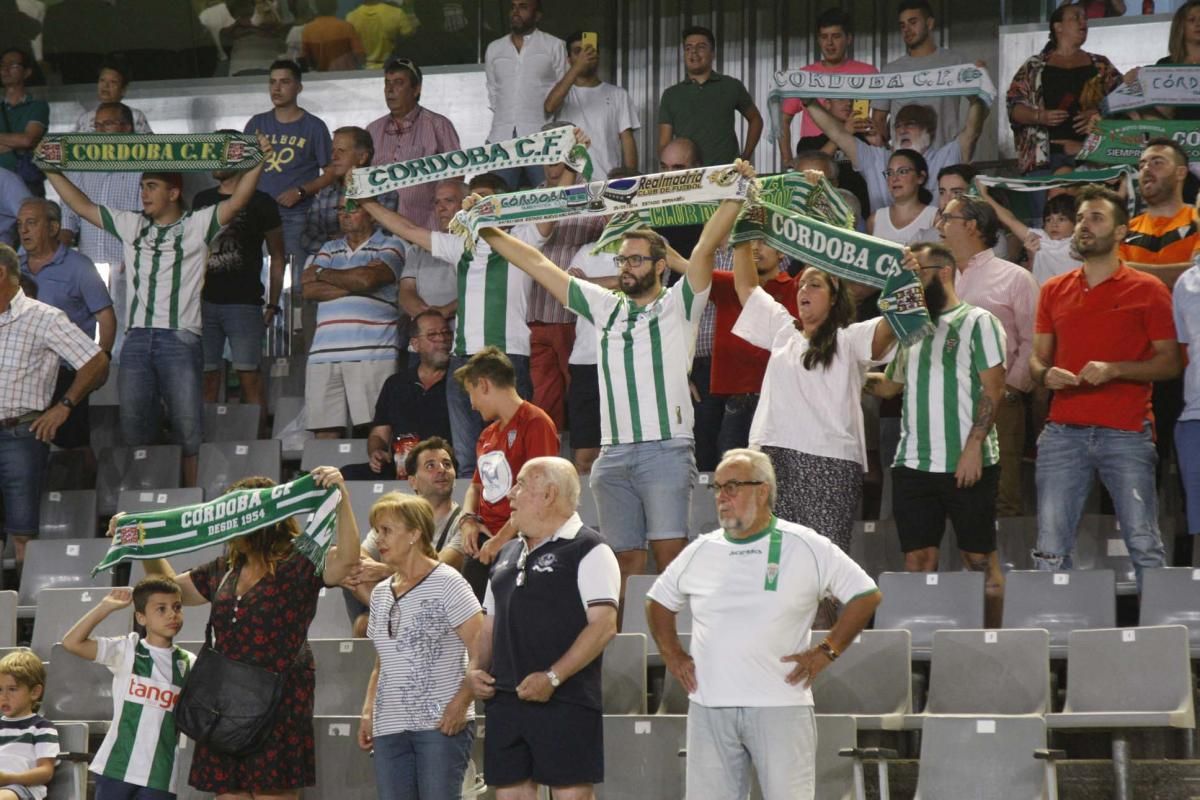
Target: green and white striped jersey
x: 942, y: 388
x: 164, y: 265
x: 644, y: 354
x: 139, y: 747
x: 493, y: 295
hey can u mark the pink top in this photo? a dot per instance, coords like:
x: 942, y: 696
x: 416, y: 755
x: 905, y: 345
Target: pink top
x: 796, y: 105
x: 1009, y: 292
x: 420, y: 133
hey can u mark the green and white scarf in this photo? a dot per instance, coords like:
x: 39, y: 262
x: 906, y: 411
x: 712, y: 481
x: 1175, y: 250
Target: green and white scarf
x: 603, y: 198
x: 847, y: 254
x: 960, y: 80
x: 557, y: 146
x: 790, y: 190
x: 160, y: 534
x: 1167, y: 85
x: 1066, y: 181
x: 147, y: 152
x: 1119, y: 141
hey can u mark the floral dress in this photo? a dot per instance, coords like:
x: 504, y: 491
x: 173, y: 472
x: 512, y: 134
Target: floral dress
x: 267, y: 627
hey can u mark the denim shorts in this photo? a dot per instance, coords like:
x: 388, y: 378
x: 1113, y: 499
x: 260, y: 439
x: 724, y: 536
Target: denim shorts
x: 22, y: 470
x: 643, y: 491
x: 242, y: 325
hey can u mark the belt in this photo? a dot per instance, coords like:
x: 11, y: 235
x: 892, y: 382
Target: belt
x: 13, y: 422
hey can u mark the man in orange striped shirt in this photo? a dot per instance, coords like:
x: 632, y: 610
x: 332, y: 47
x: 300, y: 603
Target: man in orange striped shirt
x: 1161, y: 241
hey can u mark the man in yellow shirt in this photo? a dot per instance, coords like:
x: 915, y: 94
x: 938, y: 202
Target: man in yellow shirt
x: 379, y: 25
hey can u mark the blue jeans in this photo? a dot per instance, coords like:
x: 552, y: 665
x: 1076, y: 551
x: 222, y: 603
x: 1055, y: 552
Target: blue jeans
x: 160, y: 364
x: 422, y: 765
x: 465, y: 422
x: 292, y: 220
x: 22, y: 471
x: 1067, y: 457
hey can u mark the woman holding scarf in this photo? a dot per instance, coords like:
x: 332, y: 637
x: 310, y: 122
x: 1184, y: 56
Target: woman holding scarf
x: 264, y: 596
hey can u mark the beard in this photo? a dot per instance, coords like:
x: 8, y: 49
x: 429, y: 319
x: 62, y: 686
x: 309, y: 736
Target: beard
x: 935, y: 300
x: 1097, y: 246
x: 640, y: 286
x: 921, y: 142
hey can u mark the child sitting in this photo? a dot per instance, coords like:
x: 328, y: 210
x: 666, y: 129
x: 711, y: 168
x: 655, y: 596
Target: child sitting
x: 1051, y: 246
x: 136, y: 761
x: 28, y: 742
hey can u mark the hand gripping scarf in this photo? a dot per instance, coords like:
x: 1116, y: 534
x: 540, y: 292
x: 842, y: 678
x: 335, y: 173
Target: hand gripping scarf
x: 147, y: 152
x: 1168, y: 85
x: 556, y: 146
x: 960, y: 80
x: 160, y: 534
x: 850, y: 256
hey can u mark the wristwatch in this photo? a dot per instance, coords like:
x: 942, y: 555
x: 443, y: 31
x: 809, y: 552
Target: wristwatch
x: 300, y: 189
x: 68, y: 402
x: 554, y: 681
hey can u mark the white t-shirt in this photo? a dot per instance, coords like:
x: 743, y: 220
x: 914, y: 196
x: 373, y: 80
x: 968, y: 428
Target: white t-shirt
x: 598, y: 266
x: 884, y: 229
x: 1054, y: 256
x: 872, y: 161
x: 740, y: 628
x: 603, y: 112
x: 814, y: 411
x: 23, y: 740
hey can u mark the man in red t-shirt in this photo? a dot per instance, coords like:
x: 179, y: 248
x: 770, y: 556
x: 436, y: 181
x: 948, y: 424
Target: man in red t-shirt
x: 1103, y: 334
x: 738, y: 366
x: 519, y: 431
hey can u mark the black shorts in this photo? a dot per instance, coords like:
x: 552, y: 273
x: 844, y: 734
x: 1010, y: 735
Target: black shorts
x: 921, y: 501
x: 76, y: 429
x: 553, y: 744
x: 583, y: 406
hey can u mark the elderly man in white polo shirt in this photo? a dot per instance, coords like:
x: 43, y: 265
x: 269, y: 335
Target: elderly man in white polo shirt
x: 754, y: 587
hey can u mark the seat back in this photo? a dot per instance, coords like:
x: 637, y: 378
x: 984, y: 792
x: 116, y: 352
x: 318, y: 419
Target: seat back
x: 333, y: 453
x: 1171, y: 596
x: 835, y: 775
x: 287, y: 410
x: 875, y: 546
x: 59, y: 609
x: 8, y: 618
x: 924, y: 602
x: 231, y: 422
x: 363, y: 495
x: 1099, y: 544
x: 344, y: 770
x: 703, y: 515
x: 641, y: 757
x: 77, y: 689
x: 460, y: 489
x: 1129, y: 670
x: 68, y: 514
x: 104, y: 426
x: 990, y: 672
x: 133, y: 500
x: 623, y: 674
x: 70, y: 777
x: 1060, y: 602
x: 961, y: 755
x: 332, y: 621
x: 223, y: 463
x: 633, y: 616
x: 143, y: 467
x: 872, y: 678
x: 106, y: 393
x: 674, y: 698
x: 62, y: 563
x: 588, y: 512
x: 343, y: 668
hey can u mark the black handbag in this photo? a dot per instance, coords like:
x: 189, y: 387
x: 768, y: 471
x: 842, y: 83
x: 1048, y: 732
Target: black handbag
x: 227, y: 705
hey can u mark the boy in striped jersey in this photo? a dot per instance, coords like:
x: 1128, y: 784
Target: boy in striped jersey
x: 646, y: 336
x: 136, y: 761
x: 28, y: 742
x: 947, y: 462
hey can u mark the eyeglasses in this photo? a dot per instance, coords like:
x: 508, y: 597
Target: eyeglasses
x: 634, y: 261
x: 521, y: 565
x: 901, y: 171
x: 731, y: 487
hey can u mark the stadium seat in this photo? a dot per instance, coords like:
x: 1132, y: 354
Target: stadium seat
x: 987, y: 672
x: 1123, y: 678
x: 70, y: 777
x: 363, y: 495
x: 871, y: 681
x: 104, y: 426
x: 59, y: 609
x: 704, y: 507
x: 983, y: 757
x: 633, y: 616
x: 8, y: 618
x: 344, y: 770
x: 61, y: 564
x: 641, y: 757
x: 231, y: 422
x: 333, y: 453
x: 835, y: 775
x: 149, y: 467
x: 223, y: 463
x: 460, y: 489
x: 78, y: 690
x: 875, y: 546
x: 924, y: 602
x: 623, y: 674
x: 343, y: 668
x: 587, y: 505
x: 1100, y: 545
x: 331, y: 620
x: 1060, y: 602
x: 1015, y: 540
x: 674, y: 698
x: 106, y: 393
x: 131, y: 500
x: 284, y: 378
x: 287, y: 410
x: 66, y: 469
x: 1171, y: 596
x: 68, y: 514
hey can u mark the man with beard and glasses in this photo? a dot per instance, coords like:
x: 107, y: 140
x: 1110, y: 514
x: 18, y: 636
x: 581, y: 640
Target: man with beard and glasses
x: 1103, y: 334
x: 521, y: 70
x: 645, y: 334
x: 949, y: 467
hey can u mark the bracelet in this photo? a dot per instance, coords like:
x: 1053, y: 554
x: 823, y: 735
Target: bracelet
x: 274, y: 307
x: 829, y: 650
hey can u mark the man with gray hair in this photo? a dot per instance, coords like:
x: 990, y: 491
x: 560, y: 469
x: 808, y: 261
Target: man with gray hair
x: 429, y: 283
x: 754, y: 587
x: 969, y: 226
x: 551, y: 608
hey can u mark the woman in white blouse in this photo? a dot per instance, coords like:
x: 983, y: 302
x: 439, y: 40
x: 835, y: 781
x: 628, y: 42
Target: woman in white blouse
x: 912, y: 209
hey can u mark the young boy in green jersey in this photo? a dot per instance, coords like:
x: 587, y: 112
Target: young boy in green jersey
x: 28, y: 742
x: 136, y: 761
